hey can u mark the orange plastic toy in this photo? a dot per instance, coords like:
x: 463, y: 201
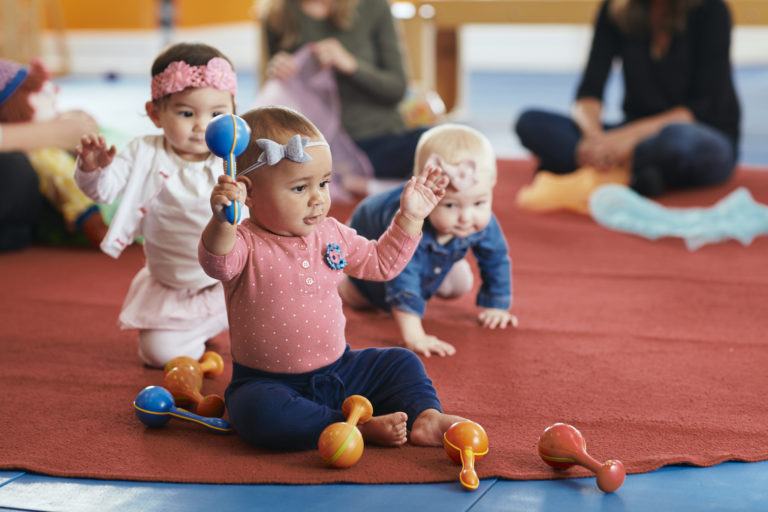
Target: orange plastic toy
x: 185, y: 384
x: 211, y: 365
x: 465, y: 442
x: 341, y: 444
x: 562, y: 445
x: 550, y: 192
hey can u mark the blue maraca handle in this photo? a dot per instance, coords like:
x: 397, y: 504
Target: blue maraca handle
x: 217, y: 425
x: 233, y: 210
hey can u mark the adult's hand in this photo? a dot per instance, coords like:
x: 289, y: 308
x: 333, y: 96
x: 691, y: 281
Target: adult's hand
x: 71, y: 126
x: 282, y: 66
x: 330, y: 52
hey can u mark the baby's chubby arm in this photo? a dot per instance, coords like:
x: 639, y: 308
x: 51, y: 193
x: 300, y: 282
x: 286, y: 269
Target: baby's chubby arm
x: 219, y: 235
x: 93, y: 153
x: 420, y: 196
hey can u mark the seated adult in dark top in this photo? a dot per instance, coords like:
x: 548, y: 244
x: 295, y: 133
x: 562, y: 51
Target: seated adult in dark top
x: 681, y: 113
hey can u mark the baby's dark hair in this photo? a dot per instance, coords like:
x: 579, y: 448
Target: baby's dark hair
x: 194, y: 54
x: 16, y: 109
x: 276, y: 123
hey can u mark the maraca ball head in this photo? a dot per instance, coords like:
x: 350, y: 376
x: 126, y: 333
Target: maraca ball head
x: 340, y: 445
x: 611, y: 475
x: 465, y: 434
x: 153, y: 399
x: 227, y: 134
x: 558, y: 444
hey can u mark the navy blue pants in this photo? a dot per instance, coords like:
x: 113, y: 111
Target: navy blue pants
x: 20, y: 201
x: 679, y: 156
x: 392, y: 155
x: 290, y: 411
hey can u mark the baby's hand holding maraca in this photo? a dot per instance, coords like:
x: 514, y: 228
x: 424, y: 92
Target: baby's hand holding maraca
x: 226, y: 191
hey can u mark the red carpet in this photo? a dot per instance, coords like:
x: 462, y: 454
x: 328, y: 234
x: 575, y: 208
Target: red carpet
x: 655, y: 353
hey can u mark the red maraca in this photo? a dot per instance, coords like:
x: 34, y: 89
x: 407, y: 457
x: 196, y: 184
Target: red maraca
x: 562, y: 445
x: 465, y: 442
x: 211, y: 365
x: 185, y: 384
x: 341, y: 444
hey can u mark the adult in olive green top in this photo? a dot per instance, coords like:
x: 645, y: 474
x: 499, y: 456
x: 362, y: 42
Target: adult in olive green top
x: 358, y: 39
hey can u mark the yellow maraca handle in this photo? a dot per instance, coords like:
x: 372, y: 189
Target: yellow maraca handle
x: 357, y: 409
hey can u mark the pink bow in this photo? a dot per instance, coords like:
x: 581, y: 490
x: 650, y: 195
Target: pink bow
x: 462, y: 176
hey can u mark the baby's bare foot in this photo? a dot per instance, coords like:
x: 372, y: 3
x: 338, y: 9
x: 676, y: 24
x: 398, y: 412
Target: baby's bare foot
x: 386, y: 430
x: 430, y: 425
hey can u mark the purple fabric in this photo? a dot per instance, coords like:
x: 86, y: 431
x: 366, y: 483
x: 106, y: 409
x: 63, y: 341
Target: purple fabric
x: 313, y: 92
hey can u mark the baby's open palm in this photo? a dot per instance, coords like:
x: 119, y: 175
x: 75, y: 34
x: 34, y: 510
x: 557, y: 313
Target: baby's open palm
x: 94, y: 153
x: 423, y: 192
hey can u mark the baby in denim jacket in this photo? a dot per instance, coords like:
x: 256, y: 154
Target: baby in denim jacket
x: 462, y: 220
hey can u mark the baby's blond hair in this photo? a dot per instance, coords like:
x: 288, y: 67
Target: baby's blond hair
x: 455, y: 143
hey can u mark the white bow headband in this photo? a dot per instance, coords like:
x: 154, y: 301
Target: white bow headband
x: 293, y: 150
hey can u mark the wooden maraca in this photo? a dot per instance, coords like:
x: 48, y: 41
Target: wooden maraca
x: 466, y: 442
x: 341, y: 444
x: 184, y: 385
x: 211, y: 365
x: 154, y: 407
x: 562, y: 445
x: 227, y: 136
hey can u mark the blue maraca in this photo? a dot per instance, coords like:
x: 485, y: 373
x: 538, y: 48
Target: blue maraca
x: 154, y: 406
x: 227, y: 136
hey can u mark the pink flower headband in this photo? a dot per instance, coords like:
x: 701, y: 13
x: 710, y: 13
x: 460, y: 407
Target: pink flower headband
x: 462, y: 175
x: 179, y: 75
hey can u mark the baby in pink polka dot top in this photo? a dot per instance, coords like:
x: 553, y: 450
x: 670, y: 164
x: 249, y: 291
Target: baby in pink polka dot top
x: 292, y: 367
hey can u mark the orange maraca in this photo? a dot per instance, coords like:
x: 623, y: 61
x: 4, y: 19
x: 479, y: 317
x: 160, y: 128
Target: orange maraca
x: 465, y: 442
x: 185, y: 384
x: 211, y: 365
x: 562, y: 445
x: 341, y: 444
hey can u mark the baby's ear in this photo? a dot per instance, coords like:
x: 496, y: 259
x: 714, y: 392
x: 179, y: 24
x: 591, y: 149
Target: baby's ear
x: 152, y: 112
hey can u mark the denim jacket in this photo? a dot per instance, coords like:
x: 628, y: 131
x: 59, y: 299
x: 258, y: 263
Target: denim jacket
x: 421, y: 278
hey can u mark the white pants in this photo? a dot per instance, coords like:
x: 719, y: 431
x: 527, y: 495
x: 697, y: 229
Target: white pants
x: 158, y: 346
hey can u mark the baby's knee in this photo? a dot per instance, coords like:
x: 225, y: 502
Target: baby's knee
x: 158, y: 346
x: 458, y: 282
